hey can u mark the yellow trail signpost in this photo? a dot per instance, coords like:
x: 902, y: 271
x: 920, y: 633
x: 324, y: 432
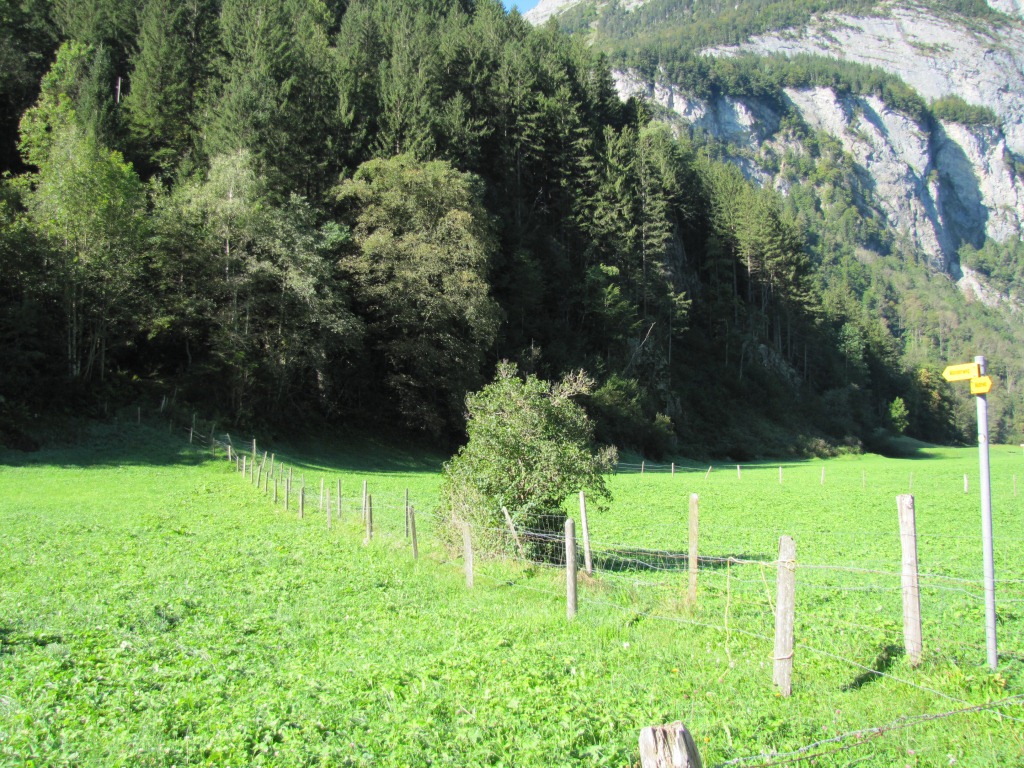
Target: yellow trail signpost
x: 981, y: 385
x: 962, y: 372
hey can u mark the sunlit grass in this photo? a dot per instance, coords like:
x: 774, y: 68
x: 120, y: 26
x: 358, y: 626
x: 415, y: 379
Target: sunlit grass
x: 156, y: 609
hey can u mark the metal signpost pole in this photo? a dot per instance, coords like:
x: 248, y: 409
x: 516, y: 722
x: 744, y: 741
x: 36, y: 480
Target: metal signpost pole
x: 986, y: 525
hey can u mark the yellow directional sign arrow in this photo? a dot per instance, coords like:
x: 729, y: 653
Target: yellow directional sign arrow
x: 962, y: 372
x: 981, y: 385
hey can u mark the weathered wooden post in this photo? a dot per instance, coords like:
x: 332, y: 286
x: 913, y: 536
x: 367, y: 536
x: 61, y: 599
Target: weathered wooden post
x: 822, y: 475
x: 512, y: 529
x: 673, y: 469
x: 708, y: 472
x: 570, y: 568
x: 588, y: 560
x: 412, y: 533
x: 668, y: 746
x: 785, y: 616
x: 642, y: 464
x: 467, y: 555
x: 244, y: 457
x: 369, y: 520
x: 691, y: 595
x: 302, y: 499
x: 739, y: 472
x: 275, y: 490
x: 966, y: 486
x: 911, y: 592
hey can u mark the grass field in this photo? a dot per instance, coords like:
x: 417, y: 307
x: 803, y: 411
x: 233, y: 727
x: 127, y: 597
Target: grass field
x: 157, y: 610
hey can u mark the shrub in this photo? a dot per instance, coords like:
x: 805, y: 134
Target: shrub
x: 530, y: 447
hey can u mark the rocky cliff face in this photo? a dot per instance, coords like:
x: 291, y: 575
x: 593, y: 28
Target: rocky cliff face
x: 937, y: 185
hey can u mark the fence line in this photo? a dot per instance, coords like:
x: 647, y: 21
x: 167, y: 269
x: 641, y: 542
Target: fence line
x: 630, y: 562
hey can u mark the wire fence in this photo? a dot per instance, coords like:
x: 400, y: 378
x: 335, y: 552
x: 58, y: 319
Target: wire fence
x: 849, y: 618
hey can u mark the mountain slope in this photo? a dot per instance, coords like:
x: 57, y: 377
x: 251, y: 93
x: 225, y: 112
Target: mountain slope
x: 894, y: 132
x: 942, y: 182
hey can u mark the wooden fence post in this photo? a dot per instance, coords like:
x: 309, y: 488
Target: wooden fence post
x: 739, y: 472
x: 287, y: 491
x: 302, y: 499
x: 191, y: 434
x: 673, y: 469
x: 668, y: 746
x: 708, y: 472
x: 512, y: 528
x: 785, y: 616
x: 588, y: 560
x: 822, y: 475
x: 911, y: 592
x: 369, y: 520
x: 966, y: 486
x: 275, y: 490
x: 244, y: 457
x: 254, y: 449
x: 691, y: 594
x: 570, y: 568
x: 412, y: 533
x: 642, y: 464
x: 467, y: 555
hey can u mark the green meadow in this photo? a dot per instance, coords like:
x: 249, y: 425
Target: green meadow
x: 157, y: 609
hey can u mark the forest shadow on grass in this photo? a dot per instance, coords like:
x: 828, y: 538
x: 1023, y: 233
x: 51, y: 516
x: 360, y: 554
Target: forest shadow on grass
x: 108, y: 444
x: 886, y: 657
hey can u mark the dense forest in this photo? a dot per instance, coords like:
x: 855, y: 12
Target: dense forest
x: 296, y: 210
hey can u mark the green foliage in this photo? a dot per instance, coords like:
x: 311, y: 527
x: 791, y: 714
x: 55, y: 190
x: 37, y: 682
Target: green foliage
x: 529, y: 449
x: 422, y: 250
x: 26, y: 46
x: 89, y: 206
x: 176, y: 45
x: 1001, y: 263
x: 899, y: 416
x: 954, y: 109
x: 530, y: 216
x: 255, y: 284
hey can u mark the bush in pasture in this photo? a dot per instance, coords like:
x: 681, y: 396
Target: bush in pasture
x: 530, y: 447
